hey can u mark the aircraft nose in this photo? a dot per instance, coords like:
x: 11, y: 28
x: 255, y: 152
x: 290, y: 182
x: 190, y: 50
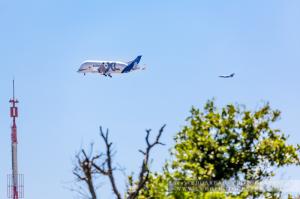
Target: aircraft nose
x: 81, y: 68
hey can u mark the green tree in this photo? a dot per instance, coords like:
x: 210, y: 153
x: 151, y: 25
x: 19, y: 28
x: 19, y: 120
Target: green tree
x: 218, y: 145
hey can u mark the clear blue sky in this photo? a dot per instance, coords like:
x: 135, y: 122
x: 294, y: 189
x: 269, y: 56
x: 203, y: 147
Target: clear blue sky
x: 185, y: 44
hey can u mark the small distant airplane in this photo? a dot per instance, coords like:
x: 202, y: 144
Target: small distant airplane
x: 107, y: 68
x: 227, y: 76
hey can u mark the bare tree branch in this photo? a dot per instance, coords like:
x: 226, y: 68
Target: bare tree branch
x: 84, y: 171
x: 79, y: 191
x: 144, y: 172
x: 108, y: 164
x: 87, y: 166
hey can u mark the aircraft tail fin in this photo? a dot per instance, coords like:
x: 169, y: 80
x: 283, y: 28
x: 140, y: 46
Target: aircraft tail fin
x: 131, y: 64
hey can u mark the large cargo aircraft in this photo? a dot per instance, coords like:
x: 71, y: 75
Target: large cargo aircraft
x: 107, y: 68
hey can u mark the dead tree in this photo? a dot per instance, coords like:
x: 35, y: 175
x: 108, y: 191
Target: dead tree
x: 144, y: 172
x: 85, y: 172
x: 87, y: 168
x: 106, y: 168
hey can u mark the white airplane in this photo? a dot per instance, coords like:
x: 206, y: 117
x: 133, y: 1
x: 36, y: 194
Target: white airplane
x: 107, y: 68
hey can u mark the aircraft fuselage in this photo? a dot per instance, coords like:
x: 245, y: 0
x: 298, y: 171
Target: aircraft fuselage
x: 108, y: 67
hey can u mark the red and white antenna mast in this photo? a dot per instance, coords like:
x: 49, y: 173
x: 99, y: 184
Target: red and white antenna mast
x: 15, y: 180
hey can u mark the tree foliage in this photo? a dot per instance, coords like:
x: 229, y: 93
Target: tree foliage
x: 233, y: 142
x: 226, y: 144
